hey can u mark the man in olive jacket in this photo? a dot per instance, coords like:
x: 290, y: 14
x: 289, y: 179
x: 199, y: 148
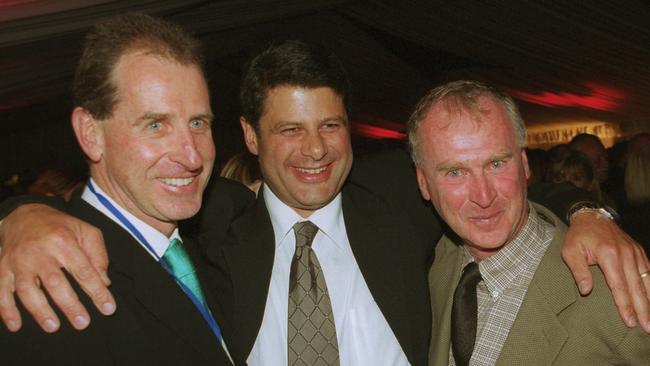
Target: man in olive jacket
x: 519, y: 304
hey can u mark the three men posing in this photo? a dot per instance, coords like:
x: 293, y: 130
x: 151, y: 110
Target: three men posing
x: 375, y: 236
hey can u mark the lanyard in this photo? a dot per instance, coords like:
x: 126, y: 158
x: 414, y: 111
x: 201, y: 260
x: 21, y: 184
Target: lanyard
x: 203, y: 309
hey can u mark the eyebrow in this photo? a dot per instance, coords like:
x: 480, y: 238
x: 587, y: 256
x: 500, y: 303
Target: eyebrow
x: 448, y: 165
x: 155, y: 116
x: 452, y: 164
x: 207, y: 116
x: 335, y: 118
x: 152, y: 116
x: 502, y: 156
x: 326, y: 119
x: 282, y: 123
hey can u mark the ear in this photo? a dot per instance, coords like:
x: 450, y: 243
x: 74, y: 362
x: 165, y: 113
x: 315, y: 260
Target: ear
x: 250, y: 135
x: 422, y: 183
x: 89, y: 134
x: 524, y: 161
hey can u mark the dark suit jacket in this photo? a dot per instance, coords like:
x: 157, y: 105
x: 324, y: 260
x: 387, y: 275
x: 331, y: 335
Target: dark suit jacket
x: 155, y: 323
x: 558, y: 197
x: 392, y: 252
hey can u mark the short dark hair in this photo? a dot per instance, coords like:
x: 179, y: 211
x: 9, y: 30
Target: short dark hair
x: 583, y: 138
x: 292, y: 63
x: 93, y: 87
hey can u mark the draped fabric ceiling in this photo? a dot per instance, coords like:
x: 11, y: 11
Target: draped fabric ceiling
x: 567, y: 62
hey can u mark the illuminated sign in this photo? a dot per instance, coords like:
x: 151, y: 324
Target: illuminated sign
x: 544, y: 136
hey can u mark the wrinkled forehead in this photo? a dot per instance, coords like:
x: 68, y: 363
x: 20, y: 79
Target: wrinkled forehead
x: 470, y: 112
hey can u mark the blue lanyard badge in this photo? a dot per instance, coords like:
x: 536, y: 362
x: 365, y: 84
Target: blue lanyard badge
x: 203, y: 309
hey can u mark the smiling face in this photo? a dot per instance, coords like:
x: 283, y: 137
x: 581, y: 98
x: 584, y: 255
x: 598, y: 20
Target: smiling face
x: 474, y: 173
x: 303, y: 145
x: 154, y: 155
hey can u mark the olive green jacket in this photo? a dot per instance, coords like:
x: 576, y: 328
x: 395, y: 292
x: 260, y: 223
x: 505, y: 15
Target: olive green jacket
x: 554, y: 326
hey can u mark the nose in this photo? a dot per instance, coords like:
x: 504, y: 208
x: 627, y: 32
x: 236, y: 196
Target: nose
x: 186, y: 151
x: 314, y: 146
x: 482, y: 190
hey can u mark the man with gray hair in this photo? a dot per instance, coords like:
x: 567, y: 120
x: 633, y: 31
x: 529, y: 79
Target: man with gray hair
x: 500, y: 293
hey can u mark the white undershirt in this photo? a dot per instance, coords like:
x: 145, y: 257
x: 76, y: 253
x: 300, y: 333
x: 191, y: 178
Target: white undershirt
x: 364, y: 336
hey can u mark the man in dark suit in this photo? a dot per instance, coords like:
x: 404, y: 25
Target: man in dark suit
x: 294, y: 100
x: 143, y: 119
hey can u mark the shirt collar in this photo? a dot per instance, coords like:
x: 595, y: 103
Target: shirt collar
x: 157, y: 240
x: 329, y: 218
x: 501, y: 269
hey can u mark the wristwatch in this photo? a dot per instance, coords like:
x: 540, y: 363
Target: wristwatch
x: 591, y: 206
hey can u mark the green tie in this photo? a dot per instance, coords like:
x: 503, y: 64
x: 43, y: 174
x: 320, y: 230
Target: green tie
x: 179, y: 262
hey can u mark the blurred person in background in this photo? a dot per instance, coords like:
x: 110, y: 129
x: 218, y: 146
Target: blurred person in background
x: 639, y: 140
x: 557, y: 194
x: 576, y: 169
x: 593, y: 148
x: 244, y: 168
x: 637, y: 188
x: 614, y: 185
x: 539, y: 161
x: 54, y: 182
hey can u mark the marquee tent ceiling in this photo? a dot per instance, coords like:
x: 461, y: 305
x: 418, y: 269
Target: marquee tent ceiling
x: 564, y: 60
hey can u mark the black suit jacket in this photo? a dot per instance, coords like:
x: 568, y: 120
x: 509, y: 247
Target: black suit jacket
x: 391, y: 246
x: 155, y: 323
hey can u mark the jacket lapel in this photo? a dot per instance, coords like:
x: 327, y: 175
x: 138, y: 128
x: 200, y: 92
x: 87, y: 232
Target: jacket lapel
x: 537, y: 333
x: 369, y: 228
x: 443, y: 279
x: 250, y: 263
x: 154, y: 288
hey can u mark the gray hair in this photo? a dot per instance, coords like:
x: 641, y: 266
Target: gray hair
x: 465, y: 95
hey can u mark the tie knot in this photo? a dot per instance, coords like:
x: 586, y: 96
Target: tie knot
x: 471, y: 275
x: 305, y: 232
x: 176, y: 257
x: 173, y: 243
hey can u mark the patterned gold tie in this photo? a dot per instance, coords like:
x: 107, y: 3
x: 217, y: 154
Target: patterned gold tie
x: 312, y: 334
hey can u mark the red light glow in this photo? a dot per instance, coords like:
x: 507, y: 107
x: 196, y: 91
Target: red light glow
x: 375, y: 132
x: 599, y: 97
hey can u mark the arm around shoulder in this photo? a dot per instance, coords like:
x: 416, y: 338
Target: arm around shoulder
x: 39, y: 242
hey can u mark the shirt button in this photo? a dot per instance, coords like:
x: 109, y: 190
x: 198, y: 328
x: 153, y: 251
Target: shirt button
x: 495, y: 294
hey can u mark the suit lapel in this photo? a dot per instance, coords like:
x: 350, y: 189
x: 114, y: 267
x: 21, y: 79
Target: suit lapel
x: 443, y: 279
x: 250, y: 263
x: 537, y: 333
x: 153, y: 287
x: 371, y: 235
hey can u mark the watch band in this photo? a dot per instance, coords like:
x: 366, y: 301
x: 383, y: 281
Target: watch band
x: 590, y: 206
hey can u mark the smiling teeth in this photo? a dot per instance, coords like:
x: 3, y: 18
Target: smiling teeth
x: 311, y: 171
x: 177, y: 182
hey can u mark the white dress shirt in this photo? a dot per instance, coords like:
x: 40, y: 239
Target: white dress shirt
x: 364, y: 336
x: 157, y: 240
